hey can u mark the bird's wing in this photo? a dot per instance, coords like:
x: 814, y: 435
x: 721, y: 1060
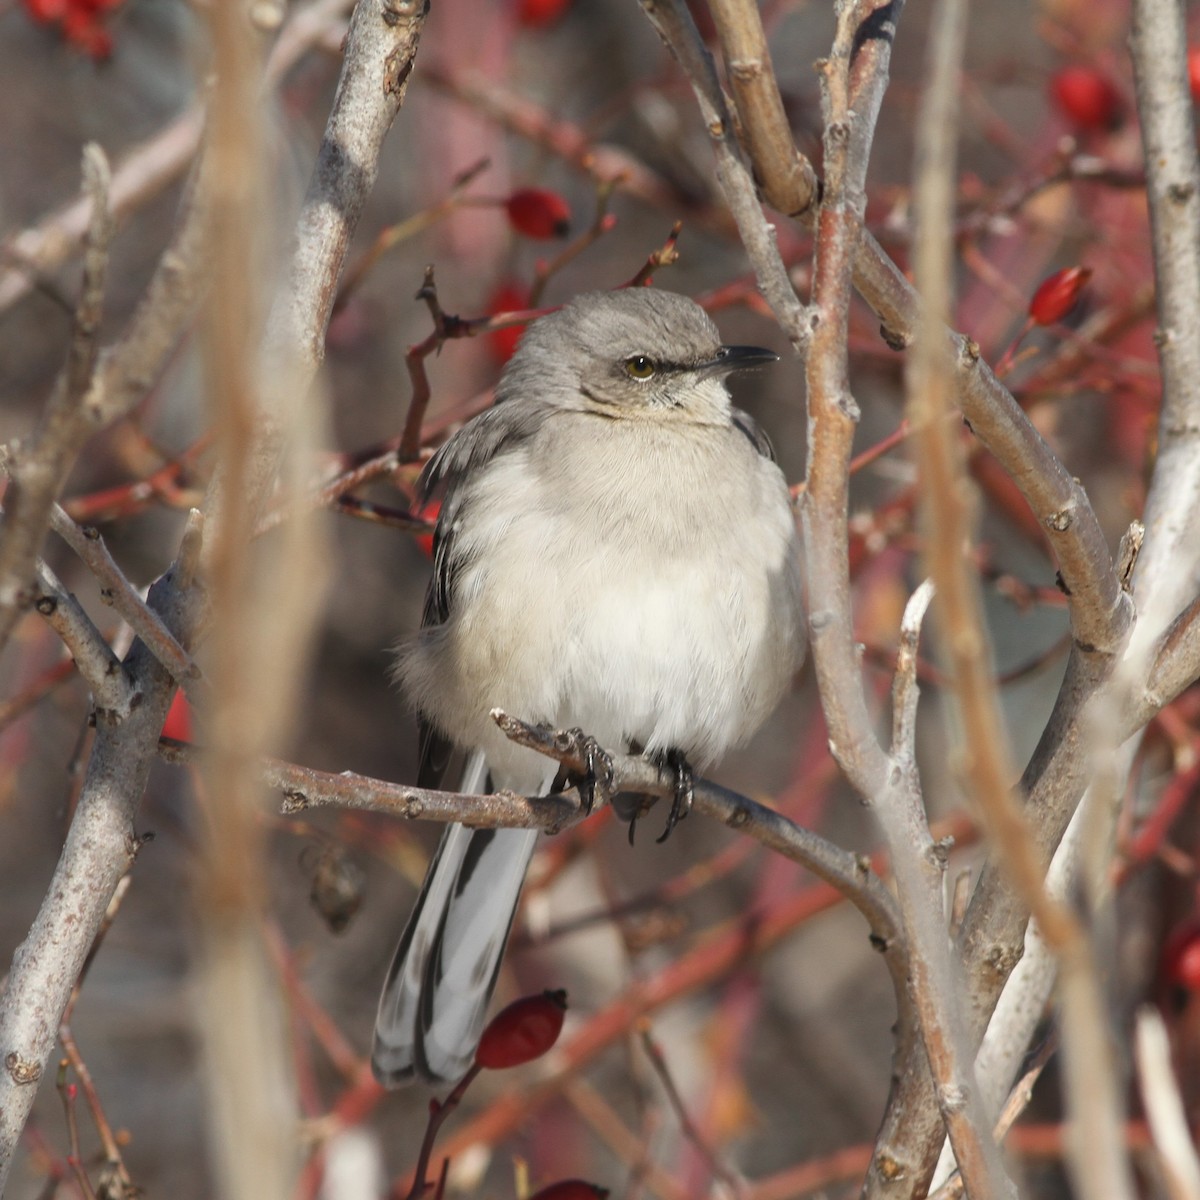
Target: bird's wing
x: 493, y: 432
x: 746, y: 424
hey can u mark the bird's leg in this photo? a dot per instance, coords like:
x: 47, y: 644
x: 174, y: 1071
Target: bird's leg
x: 598, y: 766
x: 681, y: 801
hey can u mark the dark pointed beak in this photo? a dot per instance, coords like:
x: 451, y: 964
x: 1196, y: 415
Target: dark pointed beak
x: 738, y: 358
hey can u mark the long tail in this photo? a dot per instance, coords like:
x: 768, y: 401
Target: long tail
x: 436, y: 994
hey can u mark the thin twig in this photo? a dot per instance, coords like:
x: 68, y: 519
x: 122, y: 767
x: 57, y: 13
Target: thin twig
x: 38, y: 469
x: 115, y: 589
x: 712, y: 1160
x: 603, y: 223
x: 92, y: 654
x: 666, y: 255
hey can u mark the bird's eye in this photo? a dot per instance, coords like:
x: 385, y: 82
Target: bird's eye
x: 640, y: 367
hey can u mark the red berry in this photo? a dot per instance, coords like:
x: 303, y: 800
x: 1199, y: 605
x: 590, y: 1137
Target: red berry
x: 178, y: 725
x: 538, y: 14
x: 571, y: 1189
x: 523, y: 1031
x: 539, y: 213
x: 83, y: 30
x: 1057, y: 294
x: 1086, y: 96
x: 46, y: 10
x: 1181, y: 956
x: 508, y: 297
x: 429, y: 510
x: 1193, y: 65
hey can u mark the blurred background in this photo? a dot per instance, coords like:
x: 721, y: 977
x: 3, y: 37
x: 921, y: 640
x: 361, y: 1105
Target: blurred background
x: 784, y: 1058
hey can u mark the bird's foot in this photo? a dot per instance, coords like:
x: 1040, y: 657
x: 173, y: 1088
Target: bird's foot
x: 681, y: 800
x: 598, y: 767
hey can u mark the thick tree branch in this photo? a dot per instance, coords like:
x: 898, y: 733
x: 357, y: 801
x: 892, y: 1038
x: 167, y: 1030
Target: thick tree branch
x: 1167, y: 575
x: 786, y: 177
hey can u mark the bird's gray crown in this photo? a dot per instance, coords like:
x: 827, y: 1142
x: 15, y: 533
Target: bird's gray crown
x: 632, y: 350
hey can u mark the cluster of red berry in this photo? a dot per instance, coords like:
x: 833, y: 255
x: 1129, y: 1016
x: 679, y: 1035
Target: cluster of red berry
x: 82, y: 23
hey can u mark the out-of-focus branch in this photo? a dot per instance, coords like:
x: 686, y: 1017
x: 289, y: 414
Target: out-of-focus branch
x: 945, y: 505
x: 38, y: 469
x: 149, y: 167
x: 786, y: 177
x: 252, y: 1114
x: 604, y: 163
x: 127, y: 370
x: 141, y: 175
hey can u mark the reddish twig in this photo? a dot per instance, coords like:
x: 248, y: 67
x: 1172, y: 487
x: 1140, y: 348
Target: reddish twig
x: 666, y: 255
x: 604, y: 222
x: 713, y: 1161
x: 391, y: 236
x: 438, y: 1112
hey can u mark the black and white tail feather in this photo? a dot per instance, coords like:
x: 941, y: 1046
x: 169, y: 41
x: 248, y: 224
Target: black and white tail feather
x: 435, y: 998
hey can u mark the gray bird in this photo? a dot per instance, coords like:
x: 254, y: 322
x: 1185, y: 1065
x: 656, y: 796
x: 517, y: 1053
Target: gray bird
x: 616, y: 551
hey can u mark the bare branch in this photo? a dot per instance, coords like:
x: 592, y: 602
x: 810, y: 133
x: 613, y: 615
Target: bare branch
x: 150, y: 167
x: 115, y: 589
x: 675, y: 26
x: 92, y: 654
x: 1176, y: 664
x: 785, y: 175
x: 99, y: 847
x: 38, y: 469
x: 1171, y: 555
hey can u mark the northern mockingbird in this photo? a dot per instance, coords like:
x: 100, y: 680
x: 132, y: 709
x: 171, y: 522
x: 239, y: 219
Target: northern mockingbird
x: 616, y: 550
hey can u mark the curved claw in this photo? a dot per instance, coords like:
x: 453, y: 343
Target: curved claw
x: 684, y: 796
x: 599, y: 769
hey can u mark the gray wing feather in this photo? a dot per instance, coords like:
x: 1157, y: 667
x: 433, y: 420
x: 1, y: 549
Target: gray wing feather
x: 499, y: 429
x: 746, y: 424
